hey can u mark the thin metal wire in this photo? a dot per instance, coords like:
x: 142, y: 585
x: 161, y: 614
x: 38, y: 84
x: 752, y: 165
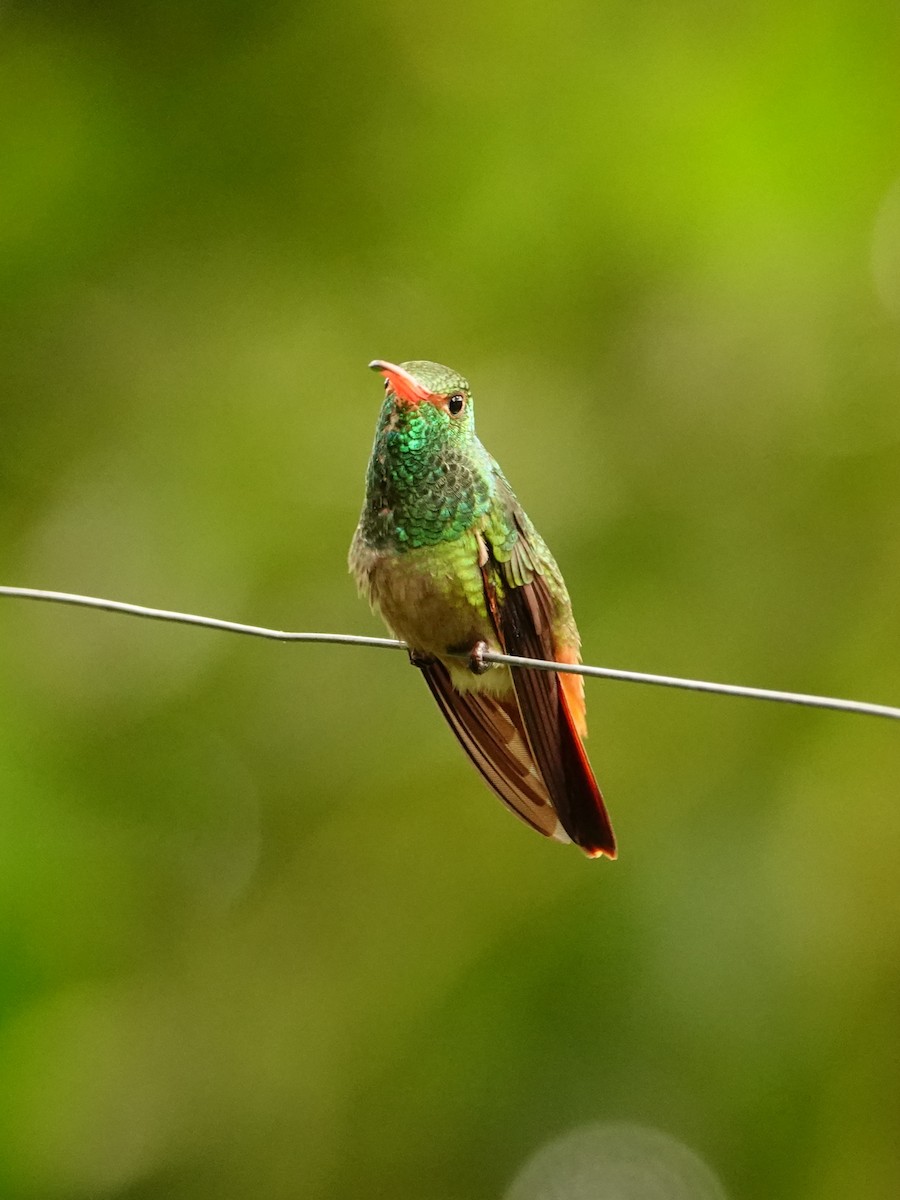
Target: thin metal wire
x: 537, y: 664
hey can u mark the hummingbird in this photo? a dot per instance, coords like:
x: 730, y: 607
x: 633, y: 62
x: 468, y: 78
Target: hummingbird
x: 445, y: 553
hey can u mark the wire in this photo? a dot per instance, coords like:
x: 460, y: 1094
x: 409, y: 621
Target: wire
x: 536, y: 664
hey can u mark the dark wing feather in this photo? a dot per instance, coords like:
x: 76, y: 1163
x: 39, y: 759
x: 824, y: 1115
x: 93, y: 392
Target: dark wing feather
x: 491, y: 732
x: 526, y: 622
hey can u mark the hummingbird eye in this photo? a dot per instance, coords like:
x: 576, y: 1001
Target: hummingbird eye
x: 455, y: 404
x: 387, y: 384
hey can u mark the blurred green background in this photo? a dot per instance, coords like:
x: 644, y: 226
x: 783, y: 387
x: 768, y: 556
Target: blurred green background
x: 264, y: 932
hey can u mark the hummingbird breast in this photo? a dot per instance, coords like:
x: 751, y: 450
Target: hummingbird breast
x: 431, y: 598
x: 418, y: 550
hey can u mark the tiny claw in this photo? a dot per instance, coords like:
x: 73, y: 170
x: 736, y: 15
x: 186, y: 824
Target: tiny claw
x: 420, y: 660
x: 477, y: 665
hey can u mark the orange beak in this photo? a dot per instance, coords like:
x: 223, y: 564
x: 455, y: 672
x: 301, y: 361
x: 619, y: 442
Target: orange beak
x: 403, y: 385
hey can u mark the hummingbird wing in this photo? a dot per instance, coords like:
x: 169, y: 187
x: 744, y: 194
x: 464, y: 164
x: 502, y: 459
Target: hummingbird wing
x: 551, y: 722
x: 532, y: 615
x: 490, y: 730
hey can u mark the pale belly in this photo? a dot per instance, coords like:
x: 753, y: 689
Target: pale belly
x: 433, y: 599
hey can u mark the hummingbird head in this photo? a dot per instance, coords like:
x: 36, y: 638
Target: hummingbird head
x: 418, y: 382
x: 429, y: 478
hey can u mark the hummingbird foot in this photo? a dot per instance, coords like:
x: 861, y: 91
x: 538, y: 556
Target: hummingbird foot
x: 417, y: 659
x: 477, y: 665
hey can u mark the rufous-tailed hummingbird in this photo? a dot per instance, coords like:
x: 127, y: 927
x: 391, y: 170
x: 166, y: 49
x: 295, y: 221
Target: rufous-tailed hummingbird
x: 445, y: 553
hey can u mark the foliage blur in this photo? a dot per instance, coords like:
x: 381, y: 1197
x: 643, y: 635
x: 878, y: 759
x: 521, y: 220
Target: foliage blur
x: 264, y: 932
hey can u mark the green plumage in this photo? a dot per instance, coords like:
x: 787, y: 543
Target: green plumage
x: 429, y: 476
x: 423, y: 485
x: 432, y: 491
x: 445, y: 553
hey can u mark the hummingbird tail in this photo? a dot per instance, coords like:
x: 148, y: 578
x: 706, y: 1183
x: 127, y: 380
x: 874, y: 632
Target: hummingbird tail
x: 563, y: 763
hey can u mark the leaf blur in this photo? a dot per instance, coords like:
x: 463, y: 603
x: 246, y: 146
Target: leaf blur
x: 264, y: 931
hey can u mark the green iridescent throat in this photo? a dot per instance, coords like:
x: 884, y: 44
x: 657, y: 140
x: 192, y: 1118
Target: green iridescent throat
x: 429, y: 478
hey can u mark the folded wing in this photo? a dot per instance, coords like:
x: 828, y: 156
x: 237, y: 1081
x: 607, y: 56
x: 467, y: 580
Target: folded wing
x: 553, y: 715
x: 491, y: 731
